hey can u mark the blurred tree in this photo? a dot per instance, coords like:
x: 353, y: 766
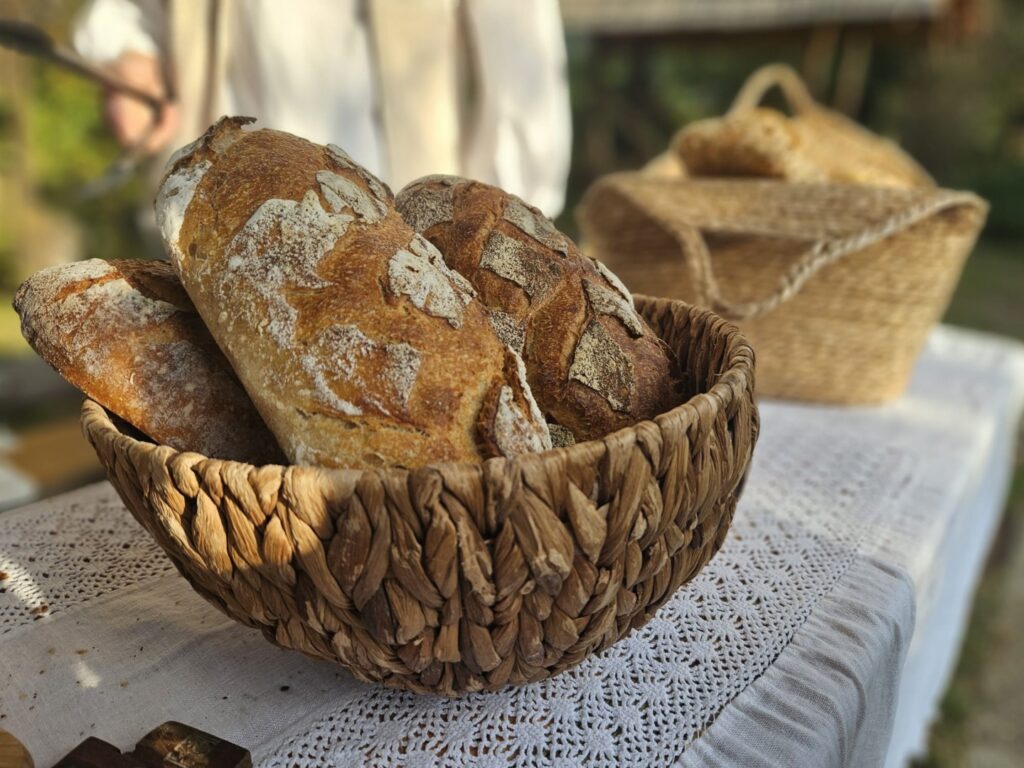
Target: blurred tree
x: 52, y: 142
x: 960, y: 110
x: 951, y: 92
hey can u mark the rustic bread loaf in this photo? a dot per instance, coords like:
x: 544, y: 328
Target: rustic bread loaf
x: 357, y: 344
x: 762, y: 142
x: 126, y: 334
x: 591, y: 361
x: 765, y: 142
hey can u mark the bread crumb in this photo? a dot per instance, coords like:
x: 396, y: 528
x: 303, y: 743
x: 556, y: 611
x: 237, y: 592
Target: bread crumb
x: 342, y: 193
x: 421, y: 274
x: 607, y: 302
x: 535, y: 224
x: 172, y: 202
x: 511, y: 332
x: 511, y: 259
x: 599, y: 364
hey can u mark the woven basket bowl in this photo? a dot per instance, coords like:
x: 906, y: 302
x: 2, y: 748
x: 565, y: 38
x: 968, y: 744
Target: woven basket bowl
x: 462, y: 577
x: 852, y: 331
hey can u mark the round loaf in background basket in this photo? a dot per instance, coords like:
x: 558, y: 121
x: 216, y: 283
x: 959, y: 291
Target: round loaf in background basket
x: 829, y: 246
x: 462, y: 577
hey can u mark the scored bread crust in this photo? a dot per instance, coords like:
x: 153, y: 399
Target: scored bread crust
x: 126, y: 334
x: 357, y: 344
x: 592, y: 362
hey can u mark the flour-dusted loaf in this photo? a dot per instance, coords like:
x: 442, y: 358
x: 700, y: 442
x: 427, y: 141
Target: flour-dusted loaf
x: 357, y: 344
x: 592, y: 362
x: 126, y: 334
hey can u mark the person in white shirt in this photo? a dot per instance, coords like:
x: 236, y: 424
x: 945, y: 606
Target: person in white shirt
x: 408, y: 88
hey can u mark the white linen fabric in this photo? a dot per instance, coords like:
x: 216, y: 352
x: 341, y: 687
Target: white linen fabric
x: 785, y: 650
x: 958, y: 535
x: 380, y: 78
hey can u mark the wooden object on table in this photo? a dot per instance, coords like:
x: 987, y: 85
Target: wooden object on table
x: 12, y: 753
x: 96, y: 753
x: 169, y: 744
x: 177, y: 744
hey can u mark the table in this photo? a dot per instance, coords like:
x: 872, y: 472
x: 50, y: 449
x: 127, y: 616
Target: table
x: 829, y: 621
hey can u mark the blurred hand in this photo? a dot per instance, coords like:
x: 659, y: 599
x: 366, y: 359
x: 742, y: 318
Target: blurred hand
x: 130, y: 119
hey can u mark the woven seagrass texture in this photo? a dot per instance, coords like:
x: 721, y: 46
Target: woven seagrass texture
x: 835, y: 285
x: 462, y: 577
x: 815, y: 144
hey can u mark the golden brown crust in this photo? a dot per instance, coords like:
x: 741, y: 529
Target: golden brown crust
x: 766, y: 143
x: 592, y: 363
x: 126, y: 334
x: 357, y: 344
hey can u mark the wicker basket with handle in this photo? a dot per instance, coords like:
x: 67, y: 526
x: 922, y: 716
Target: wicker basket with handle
x: 835, y: 285
x: 815, y: 144
x: 462, y: 577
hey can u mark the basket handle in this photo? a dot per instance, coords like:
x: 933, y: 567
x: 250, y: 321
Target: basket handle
x: 821, y: 254
x: 770, y: 76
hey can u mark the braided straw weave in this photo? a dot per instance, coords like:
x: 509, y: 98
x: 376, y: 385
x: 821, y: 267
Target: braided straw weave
x: 462, y: 577
x: 836, y: 286
x: 815, y: 145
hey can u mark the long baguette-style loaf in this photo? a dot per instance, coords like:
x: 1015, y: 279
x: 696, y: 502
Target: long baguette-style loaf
x: 357, y: 344
x: 592, y: 362
x: 126, y: 334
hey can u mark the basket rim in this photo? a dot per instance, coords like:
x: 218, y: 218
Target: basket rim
x: 640, y: 179
x: 735, y: 378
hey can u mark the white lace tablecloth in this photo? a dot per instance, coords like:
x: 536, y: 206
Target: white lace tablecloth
x: 786, y: 650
